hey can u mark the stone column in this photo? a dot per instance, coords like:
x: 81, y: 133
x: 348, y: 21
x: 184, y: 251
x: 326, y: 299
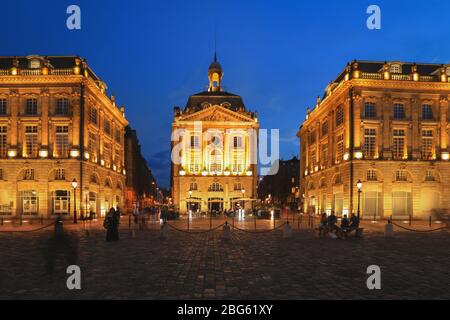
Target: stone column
x: 443, y: 110
x: 357, y: 110
x: 387, y: 111
x: 14, y: 111
x: 414, y: 136
x: 45, y: 106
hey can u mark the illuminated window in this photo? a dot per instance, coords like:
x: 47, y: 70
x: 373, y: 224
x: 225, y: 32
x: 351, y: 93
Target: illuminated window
x: 62, y: 141
x: 427, y: 112
x: 371, y: 175
x: 313, y: 159
x: 429, y: 176
x: 3, y: 141
x: 401, y: 203
x: 93, y: 115
x: 215, y: 164
x: 62, y: 107
x: 195, y: 142
x: 108, y: 184
x: 340, y: 148
x: 117, y: 157
x: 195, y: 162
x: 238, y: 164
x: 324, y: 154
x: 93, y: 146
x: 31, y: 141
x: 324, y: 128
x: 237, y: 142
x: 215, y: 187
x: 118, y: 135
x: 399, y: 111
x: 107, y: 126
x: 94, y: 179
x: 107, y: 153
x: 60, y: 174
x: 339, y: 116
x: 35, y: 64
x: 370, y: 111
x: 31, y: 107
x: 398, y: 146
x: 3, y: 107
x: 401, y: 175
x: 370, y: 142
x: 312, y: 137
x: 395, y: 68
x: 193, y: 186
x: 427, y: 144
x: 28, y: 174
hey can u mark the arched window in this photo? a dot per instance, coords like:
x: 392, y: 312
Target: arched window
x: 108, y: 183
x: 94, y: 179
x: 215, y: 161
x: 215, y: 187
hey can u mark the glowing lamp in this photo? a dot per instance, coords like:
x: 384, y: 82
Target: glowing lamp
x: 14, y: 71
x: 316, y: 168
x: 12, y: 153
x: 102, y: 162
x: 359, y: 185
x: 306, y: 172
x: 445, y: 156
x: 114, y: 167
x: 74, y: 153
x: 74, y: 183
x: 204, y: 173
x: 124, y: 171
x: 415, y: 76
x: 358, y: 155
x: 43, y: 153
x: 249, y: 173
x: 346, y: 156
x: 87, y: 155
x: 182, y: 173
x: 227, y: 173
x: 387, y: 75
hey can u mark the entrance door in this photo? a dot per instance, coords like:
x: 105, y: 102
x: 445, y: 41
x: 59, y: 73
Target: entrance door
x: 93, y: 203
x: 29, y: 203
x: 215, y: 205
x: 61, y: 202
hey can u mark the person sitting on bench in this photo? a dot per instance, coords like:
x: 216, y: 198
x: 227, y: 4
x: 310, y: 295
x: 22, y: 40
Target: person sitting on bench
x: 331, y: 223
x: 354, y: 224
x: 345, y: 223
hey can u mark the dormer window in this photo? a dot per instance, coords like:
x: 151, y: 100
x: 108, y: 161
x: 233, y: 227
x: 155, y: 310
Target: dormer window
x: 395, y: 68
x: 448, y: 71
x: 35, y: 64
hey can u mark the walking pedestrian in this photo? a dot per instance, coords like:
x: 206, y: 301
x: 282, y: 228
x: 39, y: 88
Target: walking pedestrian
x: 111, y: 225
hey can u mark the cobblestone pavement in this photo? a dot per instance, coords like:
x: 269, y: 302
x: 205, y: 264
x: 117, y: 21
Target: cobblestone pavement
x: 203, y: 266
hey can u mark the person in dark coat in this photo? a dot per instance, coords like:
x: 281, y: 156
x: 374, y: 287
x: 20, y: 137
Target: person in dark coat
x: 111, y: 224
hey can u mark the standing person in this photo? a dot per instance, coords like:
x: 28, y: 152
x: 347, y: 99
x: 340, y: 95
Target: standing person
x: 112, y: 226
x: 118, y: 214
x: 136, y: 214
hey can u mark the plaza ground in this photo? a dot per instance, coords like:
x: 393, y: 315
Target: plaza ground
x: 204, y: 266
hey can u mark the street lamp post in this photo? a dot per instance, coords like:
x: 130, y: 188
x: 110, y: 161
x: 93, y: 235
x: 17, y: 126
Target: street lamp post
x: 75, y: 185
x: 243, y: 202
x: 359, y: 186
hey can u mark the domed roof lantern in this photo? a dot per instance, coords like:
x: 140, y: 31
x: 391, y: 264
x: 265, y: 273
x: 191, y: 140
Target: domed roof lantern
x: 215, y: 75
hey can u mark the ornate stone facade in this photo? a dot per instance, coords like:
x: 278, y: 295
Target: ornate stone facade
x: 386, y: 125
x: 57, y: 125
x: 216, y: 138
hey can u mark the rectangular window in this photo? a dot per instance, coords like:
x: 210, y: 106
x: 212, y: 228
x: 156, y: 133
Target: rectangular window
x: 340, y: 148
x: 107, y: 126
x: 31, y: 107
x: 3, y: 141
x: 399, y: 111
x: 93, y: 115
x: 195, y: 142
x: 3, y: 107
x: 107, y: 153
x: 31, y: 141
x: 427, y: 144
x: 370, y: 143
x: 325, y: 128
x: 28, y: 174
x: 370, y: 111
x: 93, y: 146
x: 118, y: 134
x: 193, y: 186
x: 427, y: 112
x: 238, y: 164
x: 62, y: 107
x: 339, y: 116
x: 313, y: 159
x: 117, y: 156
x: 398, y: 146
x: 60, y: 174
x: 312, y: 137
x: 429, y: 176
x: 62, y: 141
x: 237, y: 142
x: 401, y: 175
x: 324, y: 158
x: 195, y: 162
x: 371, y: 175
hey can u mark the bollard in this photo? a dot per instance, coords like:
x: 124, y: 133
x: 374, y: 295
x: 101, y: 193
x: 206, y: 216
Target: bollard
x: 410, y: 220
x: 1, y: 221
x: 226, y: 235
x: 287, y: 231
x: 163, y: 231
x: 389, y: 230
x: 429, y: 222
x: 129, y: 221
x: 59, y: 228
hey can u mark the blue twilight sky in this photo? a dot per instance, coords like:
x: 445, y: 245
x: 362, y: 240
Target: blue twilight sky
x: 279, y: 55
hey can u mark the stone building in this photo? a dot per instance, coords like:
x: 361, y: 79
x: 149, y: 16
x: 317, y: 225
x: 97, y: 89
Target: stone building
x: 57, y: 125
x: 214, y: 146
x: 141, y: 186
x: 385, y: 124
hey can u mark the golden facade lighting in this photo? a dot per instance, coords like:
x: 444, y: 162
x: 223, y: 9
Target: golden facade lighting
x: 43, y: 153
x: 74, y: 153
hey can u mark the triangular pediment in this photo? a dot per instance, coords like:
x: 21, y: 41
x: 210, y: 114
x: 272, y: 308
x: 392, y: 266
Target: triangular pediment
x: 216, y: 113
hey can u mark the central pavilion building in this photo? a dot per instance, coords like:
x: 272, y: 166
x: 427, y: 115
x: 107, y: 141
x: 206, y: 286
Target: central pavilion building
x: 215, y: 137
